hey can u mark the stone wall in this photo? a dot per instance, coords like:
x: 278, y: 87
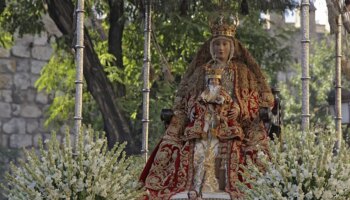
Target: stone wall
x: 21, y: 106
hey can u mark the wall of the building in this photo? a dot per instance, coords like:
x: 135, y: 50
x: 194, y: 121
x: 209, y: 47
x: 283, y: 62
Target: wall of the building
x: 22, y: 107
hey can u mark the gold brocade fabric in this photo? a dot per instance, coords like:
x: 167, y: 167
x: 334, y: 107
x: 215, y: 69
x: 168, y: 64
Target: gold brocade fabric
x: 224, y: 114
x: 205, y: 153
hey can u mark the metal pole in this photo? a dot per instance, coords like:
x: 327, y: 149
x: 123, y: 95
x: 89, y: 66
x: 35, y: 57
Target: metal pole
x: 79, y: 55
x: 146, y: 70
x: 338, y: 115
x: 305, y: 49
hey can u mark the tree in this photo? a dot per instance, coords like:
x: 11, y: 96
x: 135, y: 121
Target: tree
x: 113, y: 76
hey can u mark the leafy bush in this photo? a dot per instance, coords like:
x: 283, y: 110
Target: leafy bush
x: 92, y: 172
x: 302, y: 167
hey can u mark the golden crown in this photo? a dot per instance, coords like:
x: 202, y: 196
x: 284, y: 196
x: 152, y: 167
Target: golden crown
x: 224, y: 26
x: 213, y: 73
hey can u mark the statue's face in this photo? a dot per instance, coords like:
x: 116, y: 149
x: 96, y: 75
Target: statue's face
x: 221, y: 49
x: 214, y: 81
x: 192, y: 195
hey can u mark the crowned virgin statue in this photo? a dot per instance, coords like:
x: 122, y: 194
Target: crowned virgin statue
x: 216, y: 124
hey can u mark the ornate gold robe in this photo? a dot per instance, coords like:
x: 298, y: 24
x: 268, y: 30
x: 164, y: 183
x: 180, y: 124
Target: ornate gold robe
x: 170, y: 169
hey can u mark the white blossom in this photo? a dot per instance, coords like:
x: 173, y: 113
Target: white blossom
x: 303, y: 170
x: 61, y: 175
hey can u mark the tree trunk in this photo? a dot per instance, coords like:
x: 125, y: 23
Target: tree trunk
x: 116, y: 125
x: 115, y: 35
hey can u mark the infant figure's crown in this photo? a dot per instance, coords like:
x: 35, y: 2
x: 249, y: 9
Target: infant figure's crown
x: 213, y: 73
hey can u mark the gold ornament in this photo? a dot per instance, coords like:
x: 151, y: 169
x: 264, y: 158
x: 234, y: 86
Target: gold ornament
x: 213, y: 73
x: 224, y: 26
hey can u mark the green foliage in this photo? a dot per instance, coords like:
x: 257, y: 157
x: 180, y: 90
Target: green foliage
x: 5, y: 38
x: 234, y: 6
x: 58, y: 73
x: 58, y: 77
x: 269, y: 49
x: 303, y: 166
x: 60, y: 109
x: 23, y: 16
x: 276, y: 5
x: 321, y: 82
x: 91, y: 172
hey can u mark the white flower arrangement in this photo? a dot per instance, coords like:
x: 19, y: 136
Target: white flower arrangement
x: 92, y: 172
x: 303, y: 166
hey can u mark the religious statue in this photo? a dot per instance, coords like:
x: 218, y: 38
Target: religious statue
x: 216, y: 124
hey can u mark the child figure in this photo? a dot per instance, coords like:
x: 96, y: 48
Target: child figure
x: 213, y: 125
x: 214, y: 112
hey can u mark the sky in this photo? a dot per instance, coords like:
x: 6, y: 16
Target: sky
x: 321, y: 12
